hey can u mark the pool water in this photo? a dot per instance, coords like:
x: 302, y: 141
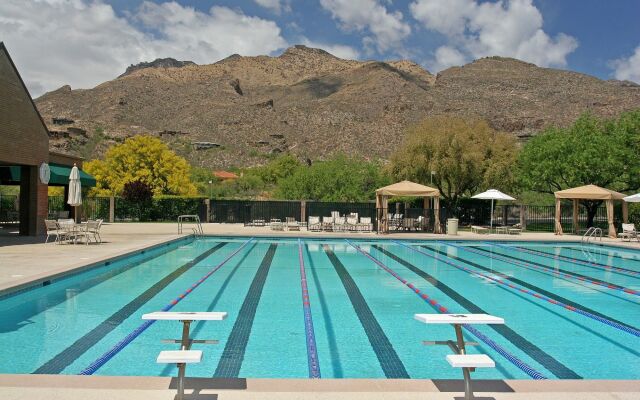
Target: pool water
x: 336, y: 308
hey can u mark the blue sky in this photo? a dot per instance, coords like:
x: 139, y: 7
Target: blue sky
x: 85, y: 42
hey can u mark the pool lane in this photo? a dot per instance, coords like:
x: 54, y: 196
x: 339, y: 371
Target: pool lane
x: 312, y: 349
x: 551, y: 297
x: 591, y: 264
x: 233, y: 355
x: 387, y: 357
x: 536, y: 353
x: 545, y: 269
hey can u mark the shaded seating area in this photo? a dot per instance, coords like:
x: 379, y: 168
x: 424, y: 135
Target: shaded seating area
x: 590, y: 193
x: 405, y: 189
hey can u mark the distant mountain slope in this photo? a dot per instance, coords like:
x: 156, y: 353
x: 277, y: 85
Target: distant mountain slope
x: 239, y: 110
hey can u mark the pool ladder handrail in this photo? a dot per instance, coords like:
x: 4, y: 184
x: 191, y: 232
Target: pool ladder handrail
x: 592, y: 233
x: 197, y: 230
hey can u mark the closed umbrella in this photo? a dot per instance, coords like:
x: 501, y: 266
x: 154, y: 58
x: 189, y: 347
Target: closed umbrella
x: 75, y: 188
x: 635, y: 198
x: 492, y: 194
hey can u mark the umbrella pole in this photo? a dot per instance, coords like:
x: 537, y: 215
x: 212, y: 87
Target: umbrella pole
x: 491, y: 223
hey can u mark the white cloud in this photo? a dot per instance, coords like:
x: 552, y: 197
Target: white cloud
x: 446, y: 57
x: 387, y: 29
x: 509, y: 28
x: 83, y: 43
x: 277, y: 6
x: 628, y: 68
x: 338, y: 50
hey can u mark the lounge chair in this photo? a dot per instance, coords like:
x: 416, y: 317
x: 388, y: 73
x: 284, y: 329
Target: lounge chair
x: 53, y: 229
x: 515, y: 229
x: 276, y: 225
x: 327, y: 223
x: 629, y: 232
x: 340, y: 224
x: 365, y: 224
x: 314, y: 224
x: 479, y: 229
x: 292, y: 224
x: 352, y: 223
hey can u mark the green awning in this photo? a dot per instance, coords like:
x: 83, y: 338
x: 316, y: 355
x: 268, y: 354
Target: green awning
x: 59, y: 176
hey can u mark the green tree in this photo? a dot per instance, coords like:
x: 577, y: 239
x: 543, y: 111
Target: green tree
x: 591, y: 151
x: 465, y: 155
x: 142, y: 158
x: 339, y: 178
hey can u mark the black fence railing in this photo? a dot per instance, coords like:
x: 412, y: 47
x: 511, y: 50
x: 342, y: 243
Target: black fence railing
x: 536, y: 218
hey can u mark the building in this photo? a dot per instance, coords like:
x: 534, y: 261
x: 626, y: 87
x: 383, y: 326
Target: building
x: 25, y: 159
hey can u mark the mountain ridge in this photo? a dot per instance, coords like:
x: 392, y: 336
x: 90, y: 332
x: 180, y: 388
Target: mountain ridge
x: 240, y: 111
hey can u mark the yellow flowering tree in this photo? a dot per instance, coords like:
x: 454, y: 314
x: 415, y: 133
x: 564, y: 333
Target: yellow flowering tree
x: 142, y: 158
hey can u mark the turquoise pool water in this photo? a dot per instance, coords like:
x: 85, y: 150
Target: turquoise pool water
x: 571, y: 311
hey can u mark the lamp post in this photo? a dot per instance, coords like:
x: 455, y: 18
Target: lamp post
x: 210, y: 182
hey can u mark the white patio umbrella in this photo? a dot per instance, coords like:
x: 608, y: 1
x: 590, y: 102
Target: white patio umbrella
x: 75, y: 188
x: 634, y: 198
x: 492, y: 194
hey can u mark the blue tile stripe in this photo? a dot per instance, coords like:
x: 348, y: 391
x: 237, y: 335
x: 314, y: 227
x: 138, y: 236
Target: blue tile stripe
x: 442, y: 309
x: 540, y: 356
x: 233, y: 353
x: 391, y: 364
x: 312, y: 350
x: 535, y: 291
x: 538, y: 267
x: 67, y: 356
x: 104, y: 358
x: 591, y: 264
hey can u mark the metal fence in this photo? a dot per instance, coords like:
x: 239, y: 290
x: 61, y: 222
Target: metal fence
x: 536, y: 218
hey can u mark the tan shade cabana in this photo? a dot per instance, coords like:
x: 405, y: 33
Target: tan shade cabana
x: 590, y: 192
x: 410, y: 189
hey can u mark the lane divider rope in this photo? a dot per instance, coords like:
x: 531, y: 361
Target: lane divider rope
x: 550, y: 270
x: 312, y: 349
x: 537, y: 295
x: 573, y: 260
x: 109, y: 354
x: 529, y: 370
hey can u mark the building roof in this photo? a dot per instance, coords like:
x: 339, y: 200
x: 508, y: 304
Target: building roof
x: 225, y: 175
x: 589, y: 192
x: 408, y: 188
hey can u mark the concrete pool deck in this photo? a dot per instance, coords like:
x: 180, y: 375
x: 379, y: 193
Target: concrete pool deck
x: 27, y: 260
x: 53, y: 387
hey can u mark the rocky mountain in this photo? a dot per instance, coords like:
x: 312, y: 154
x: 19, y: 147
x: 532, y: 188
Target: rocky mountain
x: 241, y: 110
x: 157, y: 63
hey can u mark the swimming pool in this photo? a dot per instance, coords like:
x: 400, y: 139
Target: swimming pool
x: 337, y: 308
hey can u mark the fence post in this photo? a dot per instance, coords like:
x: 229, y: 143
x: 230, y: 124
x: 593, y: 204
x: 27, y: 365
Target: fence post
x: 207, y: 202
x: 303, y: 210
x: 112, y: 209
x: 523, y: 217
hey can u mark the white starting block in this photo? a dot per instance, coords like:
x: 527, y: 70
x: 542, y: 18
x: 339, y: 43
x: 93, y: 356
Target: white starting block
x: 185, y: 355
x: 468, y: 362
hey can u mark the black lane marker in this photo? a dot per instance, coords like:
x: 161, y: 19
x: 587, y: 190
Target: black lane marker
x: 535, y: 288
x: 233, y: 354
x: 67, y: 356
x: 387, y: 356
x: 587, y: 279
x: 540, y: 356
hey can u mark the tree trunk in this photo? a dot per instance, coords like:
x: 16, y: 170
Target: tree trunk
x: 592, y: 209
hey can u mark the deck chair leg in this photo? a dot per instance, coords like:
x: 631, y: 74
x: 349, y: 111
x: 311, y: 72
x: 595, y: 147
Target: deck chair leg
x: 181, y: 368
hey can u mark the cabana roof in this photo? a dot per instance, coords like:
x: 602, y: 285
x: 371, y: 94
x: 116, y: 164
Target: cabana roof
x: 589, y: 192
x: 408, y: 188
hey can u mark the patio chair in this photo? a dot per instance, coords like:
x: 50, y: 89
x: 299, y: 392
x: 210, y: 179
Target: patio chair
x: 340, y: 224
x: 352, y: 223
x: 365, y: 224
x: 479, y: 229
x: 515, y: 229
x: 85, y: 231
x: 327, y: 223
x: 276, y: 225
x: 53, y: 229
x: 313, y: 224
x: 292, y: 224
x: 629, y: 232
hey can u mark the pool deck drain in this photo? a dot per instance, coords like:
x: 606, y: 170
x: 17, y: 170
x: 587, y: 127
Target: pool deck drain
x: 71, y: 387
